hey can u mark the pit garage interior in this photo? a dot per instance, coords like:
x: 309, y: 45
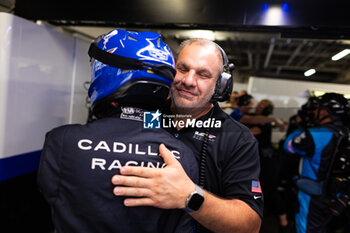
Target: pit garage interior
x: 272, y: 44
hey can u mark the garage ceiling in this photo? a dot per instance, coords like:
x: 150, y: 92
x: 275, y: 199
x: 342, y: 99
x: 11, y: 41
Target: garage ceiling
x: 262, y: 54
x: 313, y: 33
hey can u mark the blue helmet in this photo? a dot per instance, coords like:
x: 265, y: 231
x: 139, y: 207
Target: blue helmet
x: 129, y: 67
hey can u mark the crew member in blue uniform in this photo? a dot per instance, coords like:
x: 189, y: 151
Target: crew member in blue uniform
x: 317, y: 145
x: 131, y: 76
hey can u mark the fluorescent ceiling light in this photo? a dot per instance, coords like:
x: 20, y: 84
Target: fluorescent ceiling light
x: 309, y: 72
x: 341, y: 54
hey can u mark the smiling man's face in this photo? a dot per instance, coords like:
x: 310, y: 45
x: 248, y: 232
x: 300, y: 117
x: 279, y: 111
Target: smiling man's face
x: 197, y: 69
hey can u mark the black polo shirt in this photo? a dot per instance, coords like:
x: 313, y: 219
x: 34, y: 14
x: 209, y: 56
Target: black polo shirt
x: 232, y: 168
x: 78, y: 162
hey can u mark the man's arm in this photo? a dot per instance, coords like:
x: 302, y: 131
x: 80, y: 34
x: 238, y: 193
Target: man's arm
x: 169, y: 187
x: 300, y: 142
x: 261, y: 120
x: 222, y: 215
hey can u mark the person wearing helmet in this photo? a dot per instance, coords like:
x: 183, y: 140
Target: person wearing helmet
x: 317, y: 145
x: 132, y: 73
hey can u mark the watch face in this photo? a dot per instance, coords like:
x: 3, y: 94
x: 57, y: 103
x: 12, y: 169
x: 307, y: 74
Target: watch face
x: 196, y: 202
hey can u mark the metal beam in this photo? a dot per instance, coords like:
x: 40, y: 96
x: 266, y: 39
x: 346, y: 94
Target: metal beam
x: 296, y: 52
x: 250, y: 59
x: 269, y: 52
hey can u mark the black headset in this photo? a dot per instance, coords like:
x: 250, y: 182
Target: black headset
x: 224, y: 83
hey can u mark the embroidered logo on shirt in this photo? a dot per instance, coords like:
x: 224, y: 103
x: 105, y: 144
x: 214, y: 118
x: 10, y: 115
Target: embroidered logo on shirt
x: 131, y: 113
x: 200, y: 136
x: 257, y: 197
x: 256, y: 186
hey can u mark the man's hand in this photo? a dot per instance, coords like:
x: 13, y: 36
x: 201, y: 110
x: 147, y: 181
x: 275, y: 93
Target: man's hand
x: 280, y: 123
x: 166, y: 188
x: 255, y: 130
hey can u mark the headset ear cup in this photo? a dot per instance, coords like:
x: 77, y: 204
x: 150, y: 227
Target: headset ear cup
x: 224, y: 83
x: 228, y: 91
x: 216, y: 95
x: 227, y: 86
x: 223, y: 87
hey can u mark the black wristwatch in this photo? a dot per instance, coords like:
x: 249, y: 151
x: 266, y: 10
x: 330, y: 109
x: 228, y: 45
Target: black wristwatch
x: 195, y: 200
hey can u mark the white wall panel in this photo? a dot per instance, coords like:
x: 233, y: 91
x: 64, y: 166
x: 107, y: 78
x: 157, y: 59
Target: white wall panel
x: 5, y: 47
x: 38, y: 90
x: 239, y: 86
x: 81, y: 74
x: 42, y: 72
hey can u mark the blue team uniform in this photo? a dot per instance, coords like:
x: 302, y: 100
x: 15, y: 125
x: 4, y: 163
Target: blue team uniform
x: 316, y: 147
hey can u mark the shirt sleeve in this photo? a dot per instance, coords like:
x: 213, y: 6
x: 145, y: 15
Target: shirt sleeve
x: 241, y: 173
x: 49, y: 168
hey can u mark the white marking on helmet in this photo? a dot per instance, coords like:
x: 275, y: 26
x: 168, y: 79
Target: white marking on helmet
x: 107, y: 37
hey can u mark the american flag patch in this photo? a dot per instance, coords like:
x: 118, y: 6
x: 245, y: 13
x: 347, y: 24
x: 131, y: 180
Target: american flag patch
x: 256, y: 186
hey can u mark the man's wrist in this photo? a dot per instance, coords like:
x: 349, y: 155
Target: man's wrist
x: 195, y: 200
x: 187, y: 192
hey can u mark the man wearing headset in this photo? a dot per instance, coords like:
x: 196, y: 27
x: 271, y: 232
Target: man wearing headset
x: 228, y: 197
x: 131, y: 74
